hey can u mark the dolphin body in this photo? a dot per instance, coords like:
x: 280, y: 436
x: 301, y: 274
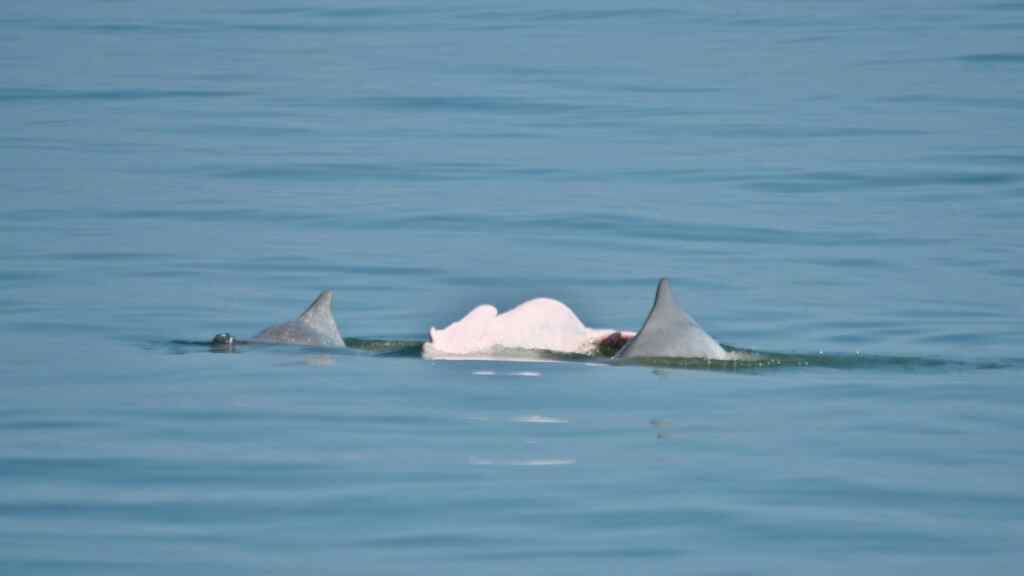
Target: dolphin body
x: 541, y: 324
x: 314, y: 327
x: 669, y: 332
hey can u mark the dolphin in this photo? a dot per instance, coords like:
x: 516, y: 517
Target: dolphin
x: 541, y: 324
x: 669, y: 332
x: 314, y: 327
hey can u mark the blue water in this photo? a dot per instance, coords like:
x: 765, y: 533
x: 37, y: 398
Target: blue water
x: 818, y: 178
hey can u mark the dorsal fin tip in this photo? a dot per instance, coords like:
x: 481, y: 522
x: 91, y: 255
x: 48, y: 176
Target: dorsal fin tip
x: 663, y: 289
x: 321, y: 304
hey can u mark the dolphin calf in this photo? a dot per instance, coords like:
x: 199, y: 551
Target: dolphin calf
x: 669, y: 332
x: 314, y: 327
x: 541, y: 324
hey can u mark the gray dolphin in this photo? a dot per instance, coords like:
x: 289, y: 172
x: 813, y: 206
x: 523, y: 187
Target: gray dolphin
x: 314, y: 327
x: 669, y: 332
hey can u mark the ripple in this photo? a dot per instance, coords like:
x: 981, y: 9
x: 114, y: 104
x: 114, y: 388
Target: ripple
x: 994, y: 58
x: 539, y: 462
x: 538, y: 419
x: 110, y: 95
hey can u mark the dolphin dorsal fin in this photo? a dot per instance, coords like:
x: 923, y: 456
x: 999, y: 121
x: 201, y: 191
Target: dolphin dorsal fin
x: 669, y: 332
x: 320, y: 319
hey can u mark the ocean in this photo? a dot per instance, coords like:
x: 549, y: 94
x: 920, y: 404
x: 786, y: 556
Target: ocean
x: 841, y: 182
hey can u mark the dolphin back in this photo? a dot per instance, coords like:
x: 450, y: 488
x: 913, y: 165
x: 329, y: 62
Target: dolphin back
x: 669, y: 332
x: 314, y: 327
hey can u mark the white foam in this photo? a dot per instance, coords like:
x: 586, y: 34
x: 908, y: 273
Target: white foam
x: 538, y: 419
x: 524, y: 373
x: 536, y: 462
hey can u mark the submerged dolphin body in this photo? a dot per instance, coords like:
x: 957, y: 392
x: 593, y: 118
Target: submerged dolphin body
x: 314, y: 327
x: 669, y: 332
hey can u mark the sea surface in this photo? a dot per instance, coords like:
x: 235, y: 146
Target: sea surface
x: 842, y: 181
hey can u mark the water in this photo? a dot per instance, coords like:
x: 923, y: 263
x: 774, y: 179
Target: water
x: 838, y: 181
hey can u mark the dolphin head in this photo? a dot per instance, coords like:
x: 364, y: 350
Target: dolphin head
x: 223, y: 342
